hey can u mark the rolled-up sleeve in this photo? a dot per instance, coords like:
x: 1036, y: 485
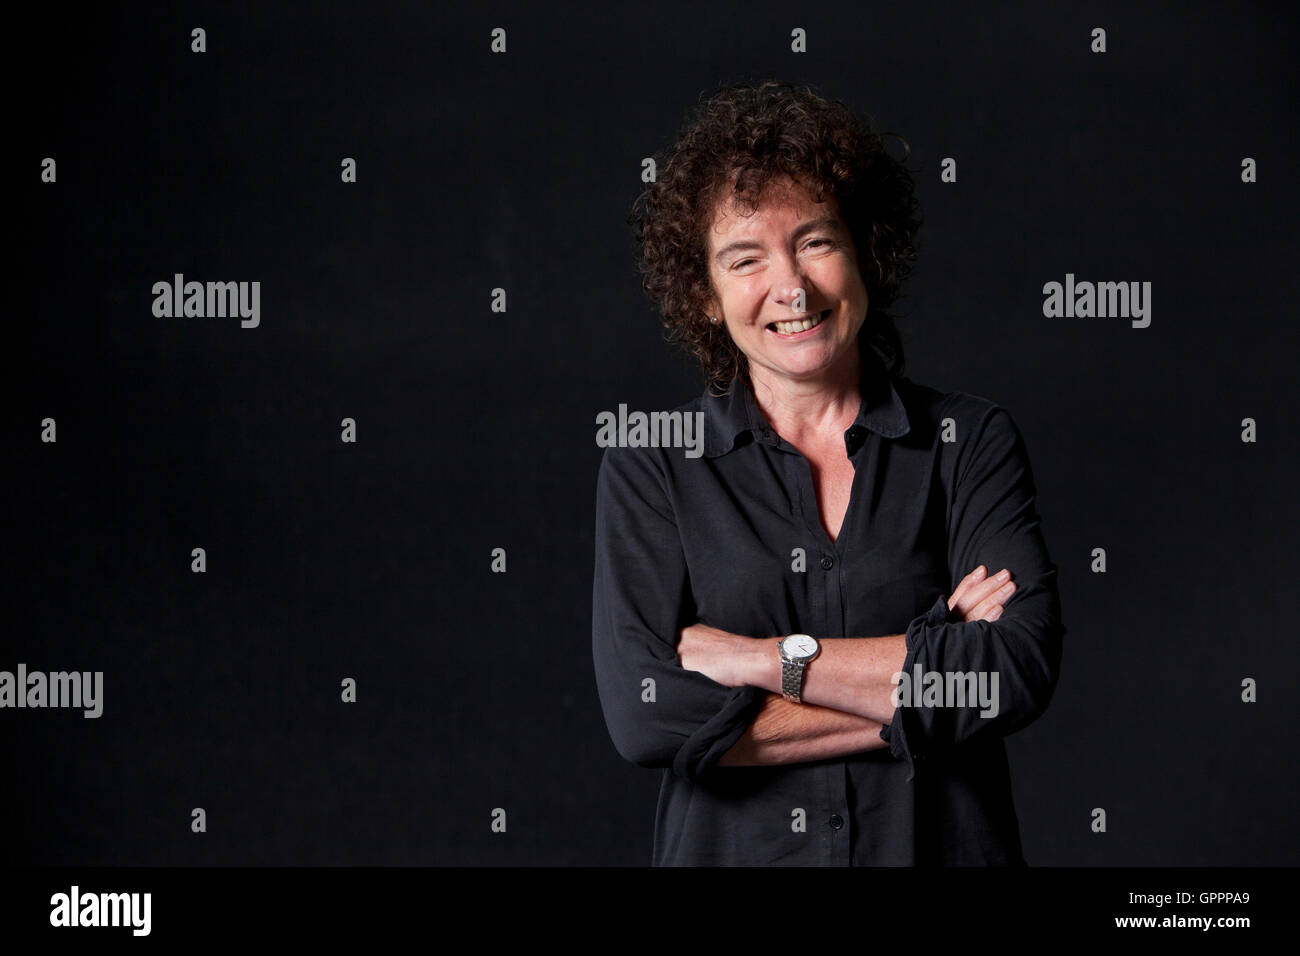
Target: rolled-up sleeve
x: 658, y: 713
x: 993, y: 521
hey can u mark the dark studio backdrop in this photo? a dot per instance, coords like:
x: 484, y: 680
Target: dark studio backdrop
x: 475, y: 429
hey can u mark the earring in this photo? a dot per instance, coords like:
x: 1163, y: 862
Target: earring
x: 713, y: 319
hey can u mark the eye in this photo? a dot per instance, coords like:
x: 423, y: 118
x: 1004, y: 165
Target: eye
x: 815, y: 241
x: 741, y: 263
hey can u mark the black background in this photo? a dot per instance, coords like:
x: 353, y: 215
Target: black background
x: 476, y: 429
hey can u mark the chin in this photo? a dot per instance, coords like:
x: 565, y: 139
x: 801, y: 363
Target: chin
x: 806, y: 369
x: 820, y: 361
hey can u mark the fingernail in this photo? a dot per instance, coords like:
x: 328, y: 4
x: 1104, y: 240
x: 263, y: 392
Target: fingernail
x: 1003, y: 574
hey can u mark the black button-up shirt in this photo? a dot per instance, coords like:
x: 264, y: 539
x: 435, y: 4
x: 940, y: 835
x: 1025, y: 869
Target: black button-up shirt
x: 942, y: 484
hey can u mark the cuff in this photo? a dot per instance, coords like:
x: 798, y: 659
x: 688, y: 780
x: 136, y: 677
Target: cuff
x: 704, y: 748
x: 896, y: 734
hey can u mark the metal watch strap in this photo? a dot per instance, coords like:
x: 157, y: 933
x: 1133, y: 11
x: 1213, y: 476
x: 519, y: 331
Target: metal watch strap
x: 792, y: 680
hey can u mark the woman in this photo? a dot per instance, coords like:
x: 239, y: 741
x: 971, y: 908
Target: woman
x: 755, y: 605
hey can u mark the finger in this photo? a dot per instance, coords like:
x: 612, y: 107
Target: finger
x: 984, y: 608
x: 968, y: 582
x: 988, y: 586
x: 979, y: 591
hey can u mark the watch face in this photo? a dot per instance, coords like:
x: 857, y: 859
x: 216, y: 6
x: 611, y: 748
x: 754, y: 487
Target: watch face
x: 799, y: 645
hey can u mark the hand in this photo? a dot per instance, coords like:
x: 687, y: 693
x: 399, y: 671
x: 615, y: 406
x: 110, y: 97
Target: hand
x: 980, y: 598
x: 719, y: 655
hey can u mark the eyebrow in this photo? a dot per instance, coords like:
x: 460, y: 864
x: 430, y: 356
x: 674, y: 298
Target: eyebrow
x: 826, y: 222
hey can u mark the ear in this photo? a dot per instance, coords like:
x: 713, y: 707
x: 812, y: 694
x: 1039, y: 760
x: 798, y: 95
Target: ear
x: 714, y: 307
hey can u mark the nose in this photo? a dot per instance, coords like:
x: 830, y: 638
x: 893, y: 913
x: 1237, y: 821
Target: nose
x: 787, y: 294
x: 789, y: 283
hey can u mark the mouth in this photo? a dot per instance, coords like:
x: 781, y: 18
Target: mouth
x: 793, y: 328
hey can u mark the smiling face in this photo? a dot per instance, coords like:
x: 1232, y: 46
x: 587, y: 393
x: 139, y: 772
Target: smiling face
x: 758, y: 264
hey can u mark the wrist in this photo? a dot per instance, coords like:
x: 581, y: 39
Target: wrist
x: 765, y: 664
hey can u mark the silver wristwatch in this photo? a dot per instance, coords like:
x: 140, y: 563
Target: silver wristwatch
x: 796, y: 650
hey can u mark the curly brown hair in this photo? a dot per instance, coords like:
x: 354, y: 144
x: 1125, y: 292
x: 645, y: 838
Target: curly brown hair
x: 743, y: 137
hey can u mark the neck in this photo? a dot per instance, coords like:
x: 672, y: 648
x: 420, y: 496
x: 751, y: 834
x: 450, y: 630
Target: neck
x: 827, y: 404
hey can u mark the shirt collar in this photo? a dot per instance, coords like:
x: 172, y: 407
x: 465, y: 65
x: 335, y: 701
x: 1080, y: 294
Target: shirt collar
x: 727, y: 417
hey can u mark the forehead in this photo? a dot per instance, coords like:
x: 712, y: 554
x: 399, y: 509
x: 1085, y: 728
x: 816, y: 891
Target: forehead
x: 783, y: 205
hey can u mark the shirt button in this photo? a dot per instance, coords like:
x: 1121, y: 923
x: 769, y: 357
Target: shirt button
x: 827, y: 562
x: 836, y: 821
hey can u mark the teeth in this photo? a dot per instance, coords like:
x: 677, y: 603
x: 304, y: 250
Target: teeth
x: 797, y: 325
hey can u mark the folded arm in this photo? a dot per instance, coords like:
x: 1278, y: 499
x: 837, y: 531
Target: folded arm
x: 658, y: 713
x: 1015, y: 653
x: 786, y: 732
